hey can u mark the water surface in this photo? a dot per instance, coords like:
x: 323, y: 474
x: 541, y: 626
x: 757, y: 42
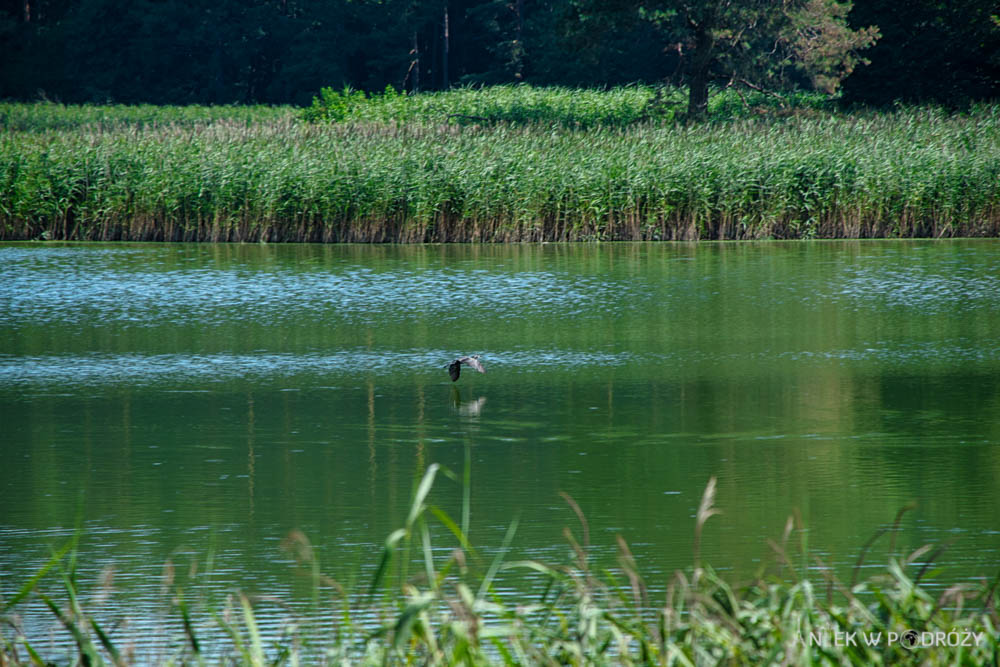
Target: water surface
x: 195, y: 403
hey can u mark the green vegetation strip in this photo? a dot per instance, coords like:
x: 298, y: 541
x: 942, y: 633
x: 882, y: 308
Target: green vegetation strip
x: 500, y: 164
x: 449, y: 613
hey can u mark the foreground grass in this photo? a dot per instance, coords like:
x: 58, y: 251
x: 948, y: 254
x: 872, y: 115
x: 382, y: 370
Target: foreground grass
x: 448, y: 613
x: 497, y: 165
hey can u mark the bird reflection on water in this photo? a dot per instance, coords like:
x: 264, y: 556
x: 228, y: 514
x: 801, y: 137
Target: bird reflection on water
x: 466, y: 408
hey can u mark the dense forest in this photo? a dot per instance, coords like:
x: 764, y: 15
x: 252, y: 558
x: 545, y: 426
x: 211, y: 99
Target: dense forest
x: 284, y: 51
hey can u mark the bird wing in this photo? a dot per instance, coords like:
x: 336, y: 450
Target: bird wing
x: 454, y: 368
x: 474, y: 362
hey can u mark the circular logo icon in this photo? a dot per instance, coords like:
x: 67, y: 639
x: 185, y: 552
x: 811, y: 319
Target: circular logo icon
x: 909, y: 639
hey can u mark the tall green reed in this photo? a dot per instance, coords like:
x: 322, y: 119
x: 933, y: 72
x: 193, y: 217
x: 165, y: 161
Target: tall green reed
x: 912, y: 172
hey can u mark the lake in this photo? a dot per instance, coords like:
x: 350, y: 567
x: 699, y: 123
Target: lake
x: 189, y: 406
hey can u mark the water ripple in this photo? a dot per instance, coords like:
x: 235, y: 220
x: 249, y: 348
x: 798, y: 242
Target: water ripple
x: 926, y: 353
x: 137, y: 369
x: 47, y: 287
x: 965, y: 286
x: 208, y: 369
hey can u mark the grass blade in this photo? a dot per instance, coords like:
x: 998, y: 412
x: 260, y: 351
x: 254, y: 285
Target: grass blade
x: 106, y: 642
x: 188, y: 626
x: 497, y: 560
x: 31, y: 583
x: 88, y: 654
x: 256, y: 649
x: 417, y: 507
x: 391, y: 543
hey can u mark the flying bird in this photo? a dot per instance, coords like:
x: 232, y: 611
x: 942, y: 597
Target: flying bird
x: 455, y: 367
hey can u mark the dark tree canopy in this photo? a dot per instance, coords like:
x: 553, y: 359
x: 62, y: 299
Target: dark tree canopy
x: 283, y: 51
x: 752, y: 43
x: 947, y: 51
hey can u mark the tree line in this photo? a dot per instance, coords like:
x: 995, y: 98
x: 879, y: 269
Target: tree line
x: 284, y: 51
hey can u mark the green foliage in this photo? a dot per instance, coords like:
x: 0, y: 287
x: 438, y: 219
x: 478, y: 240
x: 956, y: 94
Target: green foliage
x: 335, y: 106
x: 507, y: 164
x: 751, y: 44
x: 512, y: 104
x: 823, y: 44
x: 450, y: 613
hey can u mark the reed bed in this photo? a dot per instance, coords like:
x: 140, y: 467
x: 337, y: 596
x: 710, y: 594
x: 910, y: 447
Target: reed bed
x: 915, y: 172
x: 522, y: 104
x: 43, y: 116
x: 447, y: 612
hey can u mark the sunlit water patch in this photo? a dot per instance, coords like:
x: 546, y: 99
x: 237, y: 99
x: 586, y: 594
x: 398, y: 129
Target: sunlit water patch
x: 927, y: 289
x: 67, y: 286
x: 207, y: 370
x: 144, y: 370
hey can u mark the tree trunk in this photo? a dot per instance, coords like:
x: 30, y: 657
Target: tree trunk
x: 698, y: 78
x: 444, y: 57
x: 520, y: 40
x: 416, y: 63
x: 697, y: 94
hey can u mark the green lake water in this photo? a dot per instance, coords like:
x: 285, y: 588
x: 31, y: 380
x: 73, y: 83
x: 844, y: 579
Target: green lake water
x: 197, y: 403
